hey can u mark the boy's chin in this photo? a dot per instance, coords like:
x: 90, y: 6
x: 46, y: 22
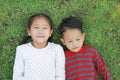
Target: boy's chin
x: 75, y: 51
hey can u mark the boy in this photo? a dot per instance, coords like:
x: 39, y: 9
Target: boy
x: 82, y: 62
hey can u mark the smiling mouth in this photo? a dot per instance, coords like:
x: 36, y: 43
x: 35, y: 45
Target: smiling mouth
x: 75, y: 48
x: 40, y: 36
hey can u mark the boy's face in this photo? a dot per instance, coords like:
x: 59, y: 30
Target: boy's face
x: 73, y: 39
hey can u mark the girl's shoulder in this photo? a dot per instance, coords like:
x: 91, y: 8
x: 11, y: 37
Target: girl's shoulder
x: 54, y: 45
x: 24, y: 45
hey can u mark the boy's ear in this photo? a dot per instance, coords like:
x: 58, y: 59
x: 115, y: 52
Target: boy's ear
x: 83, y: 36
x: 62, y: 41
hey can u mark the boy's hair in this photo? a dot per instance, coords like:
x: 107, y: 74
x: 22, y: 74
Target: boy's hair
x: 70, y: 23
x: 30, y: 21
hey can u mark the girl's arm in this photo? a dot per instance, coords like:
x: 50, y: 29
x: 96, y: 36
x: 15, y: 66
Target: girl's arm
x: 18, y: 71
x: 60, y: 64
x: 101, y: 66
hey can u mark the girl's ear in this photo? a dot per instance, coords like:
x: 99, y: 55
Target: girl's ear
x: 28, y: 31
x: 62, y: 41
x: 51, y: 33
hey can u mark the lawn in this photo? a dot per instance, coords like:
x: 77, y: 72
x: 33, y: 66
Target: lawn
x: 101, y: 23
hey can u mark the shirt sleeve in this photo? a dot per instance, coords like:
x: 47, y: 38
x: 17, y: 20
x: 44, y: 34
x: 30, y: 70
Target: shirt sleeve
x: 60, y: 64
x: 101, y: 66
x: 18, y: 70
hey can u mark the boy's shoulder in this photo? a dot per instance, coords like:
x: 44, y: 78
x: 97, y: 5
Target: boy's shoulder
x: 89, y: 47
x: 90, y: 50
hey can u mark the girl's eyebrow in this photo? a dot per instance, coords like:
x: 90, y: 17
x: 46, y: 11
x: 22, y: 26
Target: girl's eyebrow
x: 45, y: 25
x: 35, y: 25
x: 39, y: 25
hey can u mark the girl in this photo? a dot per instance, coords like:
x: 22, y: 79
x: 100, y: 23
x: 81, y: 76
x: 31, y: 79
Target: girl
x: 39, y: 59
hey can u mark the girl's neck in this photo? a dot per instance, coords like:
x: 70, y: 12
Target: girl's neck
x: 39, y: 45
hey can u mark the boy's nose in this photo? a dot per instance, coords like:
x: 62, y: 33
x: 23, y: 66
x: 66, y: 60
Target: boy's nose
x: 74, y: 43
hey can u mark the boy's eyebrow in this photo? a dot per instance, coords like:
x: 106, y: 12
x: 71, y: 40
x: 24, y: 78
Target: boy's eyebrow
x: 78, y: 37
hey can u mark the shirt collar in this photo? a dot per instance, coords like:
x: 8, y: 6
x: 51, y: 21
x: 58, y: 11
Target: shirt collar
x: 67, y: 52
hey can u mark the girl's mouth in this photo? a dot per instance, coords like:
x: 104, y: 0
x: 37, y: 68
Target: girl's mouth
x: 40, y: 36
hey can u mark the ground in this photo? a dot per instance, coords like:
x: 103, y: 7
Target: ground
x: 101, y: 23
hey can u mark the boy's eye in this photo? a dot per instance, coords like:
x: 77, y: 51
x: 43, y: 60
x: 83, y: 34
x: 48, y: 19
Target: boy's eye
x: 78, y: 39
x: 69, y: 41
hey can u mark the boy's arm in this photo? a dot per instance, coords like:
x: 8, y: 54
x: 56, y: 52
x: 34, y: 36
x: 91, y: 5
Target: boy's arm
x: 60, y: 64
x: 101, y: 66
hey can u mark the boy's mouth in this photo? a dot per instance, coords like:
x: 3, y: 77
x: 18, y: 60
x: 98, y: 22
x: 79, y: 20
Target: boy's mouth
x: 75, y: 47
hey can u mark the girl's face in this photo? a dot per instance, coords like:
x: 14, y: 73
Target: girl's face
x: 73, y: 39
x: 40, y: 31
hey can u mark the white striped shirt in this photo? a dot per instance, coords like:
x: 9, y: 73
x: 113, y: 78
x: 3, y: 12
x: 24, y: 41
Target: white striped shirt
x: 39, y: 64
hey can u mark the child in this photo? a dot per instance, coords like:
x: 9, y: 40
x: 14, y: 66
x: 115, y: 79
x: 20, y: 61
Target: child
x: 82, y: 62
x: 39, y: 59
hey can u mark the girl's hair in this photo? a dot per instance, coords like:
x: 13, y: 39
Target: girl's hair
x: 70, y: 23
x: 30, y: 21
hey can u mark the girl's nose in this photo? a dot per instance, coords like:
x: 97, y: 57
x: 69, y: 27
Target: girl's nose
x: 40, y: 31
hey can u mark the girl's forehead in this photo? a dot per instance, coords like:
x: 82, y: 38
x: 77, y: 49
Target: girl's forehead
x: 40, y: 20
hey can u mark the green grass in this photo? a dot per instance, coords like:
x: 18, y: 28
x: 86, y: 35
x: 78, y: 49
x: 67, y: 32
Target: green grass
x: 101, y: 22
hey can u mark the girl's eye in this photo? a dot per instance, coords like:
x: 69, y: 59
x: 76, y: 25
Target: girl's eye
x: 36, y: 27
x: 45, y: 28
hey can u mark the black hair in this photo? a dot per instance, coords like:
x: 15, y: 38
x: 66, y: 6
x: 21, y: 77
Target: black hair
x: 30, y: 21
x: 70, y: 22
x: 33, y: 17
